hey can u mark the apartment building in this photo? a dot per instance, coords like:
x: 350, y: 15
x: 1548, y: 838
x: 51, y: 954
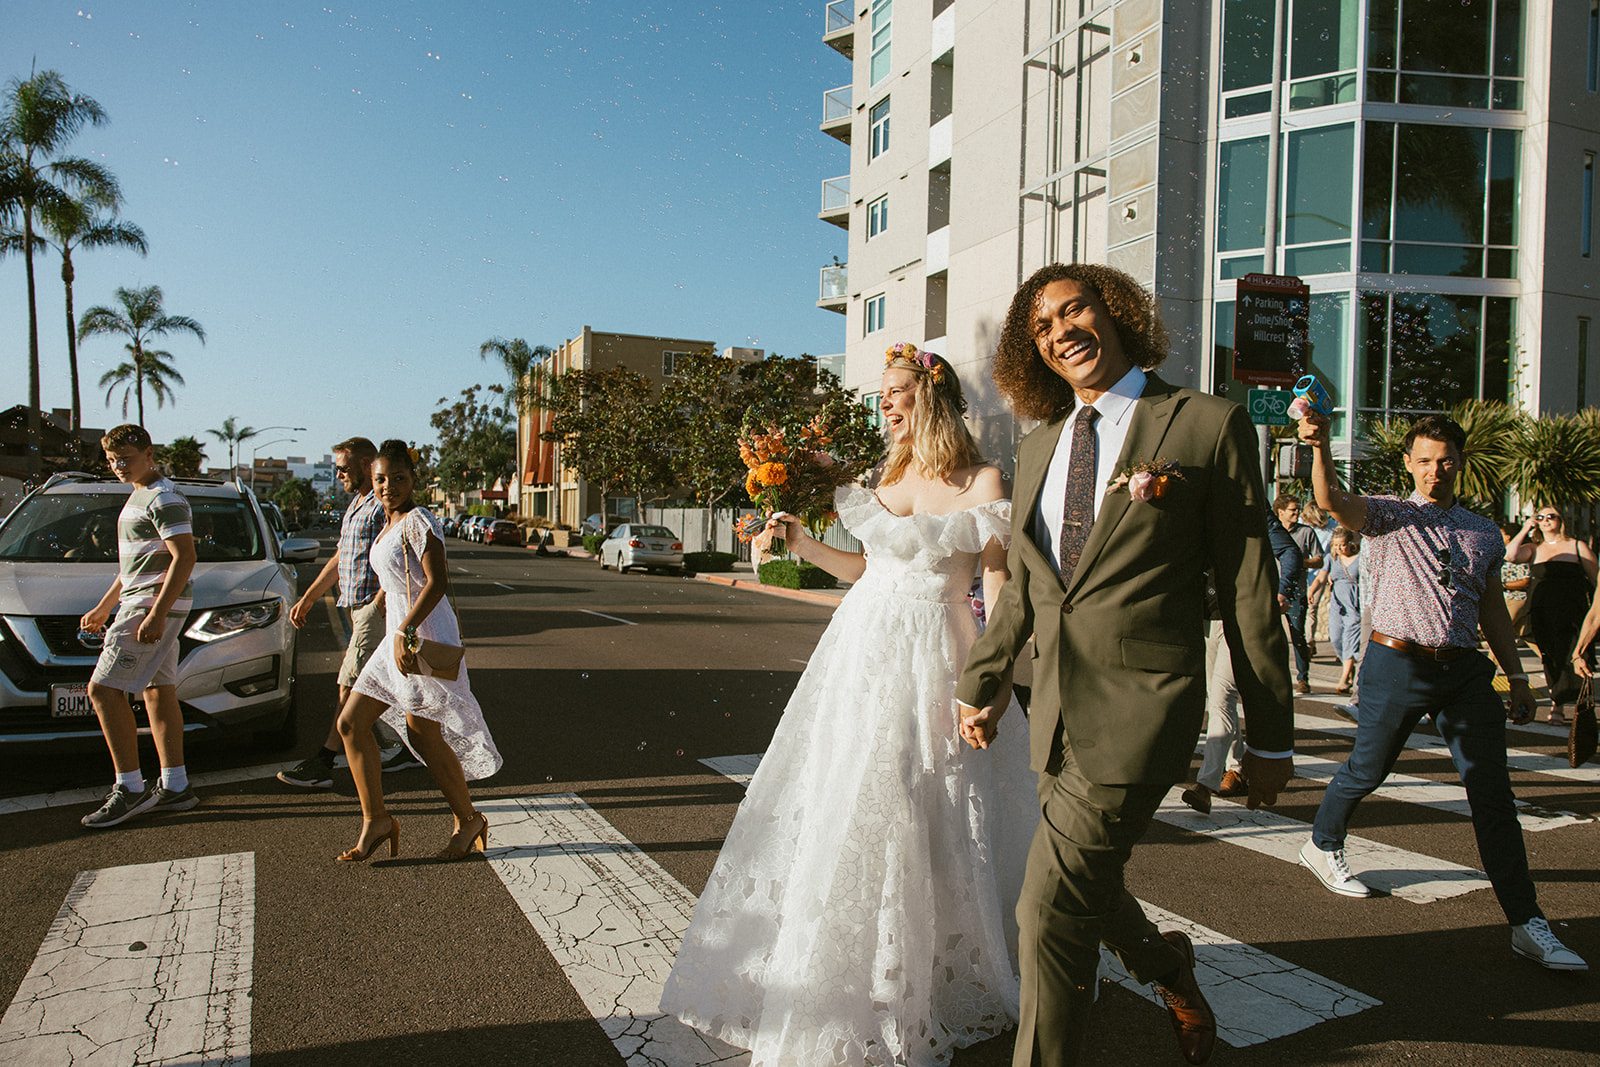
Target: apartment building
x: 1426, y: 166
x: 545, y: 485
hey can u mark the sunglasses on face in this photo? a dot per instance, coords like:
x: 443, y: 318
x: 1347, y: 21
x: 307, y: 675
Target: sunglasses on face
x: 340, y: 468
x: 1547, y: 518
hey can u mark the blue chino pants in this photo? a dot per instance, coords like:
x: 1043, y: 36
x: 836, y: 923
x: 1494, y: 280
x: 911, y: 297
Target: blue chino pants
x: 1397, y: 690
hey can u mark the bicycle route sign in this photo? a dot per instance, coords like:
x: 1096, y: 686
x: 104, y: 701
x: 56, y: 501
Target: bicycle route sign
x: 1269, y: 407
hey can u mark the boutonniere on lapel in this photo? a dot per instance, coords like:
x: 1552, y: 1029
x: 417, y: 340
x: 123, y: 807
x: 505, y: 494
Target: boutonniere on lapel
x: 1147, y: 481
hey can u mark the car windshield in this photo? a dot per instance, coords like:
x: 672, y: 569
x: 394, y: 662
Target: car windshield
x: 82, y: 528
x: 650, y: 531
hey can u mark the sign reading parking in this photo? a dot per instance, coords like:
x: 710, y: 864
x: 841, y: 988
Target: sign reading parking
x: 1271, y: 329
x: 1269, y: 407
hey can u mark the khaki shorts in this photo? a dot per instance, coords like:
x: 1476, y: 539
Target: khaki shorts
x: 131, y: 666
x: 366, y: 630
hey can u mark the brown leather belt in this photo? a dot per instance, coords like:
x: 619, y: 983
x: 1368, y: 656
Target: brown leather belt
x: 1438, y: 655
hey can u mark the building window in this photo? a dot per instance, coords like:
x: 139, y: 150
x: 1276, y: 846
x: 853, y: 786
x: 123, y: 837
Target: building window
x: 876, y: 308
x: 872, y: 402
x: 1242, y: 205
x: 882, y: 10
x: 669, y: 363
x: 1440, y: 200
x: 877, y: 217
x: 1583, y: 364
x: 878, y: 117
x: 1319, y: 200
x: 1460, y: 53
x: 1586, y: 234
x: 1420, y: 352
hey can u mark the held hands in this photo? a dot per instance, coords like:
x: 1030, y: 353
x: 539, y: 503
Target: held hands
x: 1521, y: 710
x: 980, y: 726
x: 1267, y: 777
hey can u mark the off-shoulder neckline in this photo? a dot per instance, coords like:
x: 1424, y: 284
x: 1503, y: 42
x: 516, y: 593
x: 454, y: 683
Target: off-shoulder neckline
x: 931, y: 514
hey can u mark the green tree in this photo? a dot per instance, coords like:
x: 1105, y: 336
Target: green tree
x: 612, y: 431
x: 1557, y: 462
x: 84, y: 223
x: 140, y: 318
x: 524, y: 367
x: 294, y: 496
x: 476, y: 441
x: 702, y: 404
x: 182, y: 457
x: 232, y: 434
x: 41, y: 116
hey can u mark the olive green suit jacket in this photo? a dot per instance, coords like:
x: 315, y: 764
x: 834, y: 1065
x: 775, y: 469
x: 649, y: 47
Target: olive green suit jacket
x: 1119, y: 660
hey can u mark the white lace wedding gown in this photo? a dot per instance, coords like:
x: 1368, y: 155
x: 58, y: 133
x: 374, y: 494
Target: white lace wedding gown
x: 450, y: 704
x: 861, y: 907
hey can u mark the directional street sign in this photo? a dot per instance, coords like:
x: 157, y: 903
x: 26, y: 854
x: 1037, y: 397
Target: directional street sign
x: 1269, y: 407
x: 1271, y: 329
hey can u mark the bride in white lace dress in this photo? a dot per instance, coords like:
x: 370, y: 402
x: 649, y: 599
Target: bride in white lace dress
x: 860, y: 911
x: 439, y: 718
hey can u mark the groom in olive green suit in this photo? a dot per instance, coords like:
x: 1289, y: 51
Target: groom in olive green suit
x: 1111, y: 579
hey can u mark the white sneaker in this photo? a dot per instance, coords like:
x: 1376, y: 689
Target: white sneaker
x: 1332, y: 871
x: 1534, y: 940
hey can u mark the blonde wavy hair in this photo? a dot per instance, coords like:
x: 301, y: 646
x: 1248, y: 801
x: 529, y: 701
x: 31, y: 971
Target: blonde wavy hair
x: 939, y: 442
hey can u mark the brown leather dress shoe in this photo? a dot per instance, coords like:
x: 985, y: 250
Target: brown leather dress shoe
x: 1191, y: 1015
x: 1198, y: 797
x: 1232, y: 785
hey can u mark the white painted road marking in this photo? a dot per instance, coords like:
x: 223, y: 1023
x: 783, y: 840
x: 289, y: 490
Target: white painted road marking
x: 1445, y: 796
x: 611, y: 917
x: 503, y: 585
x: 1256, y: 995
x: 1408, y: 875
x: 613, y: 618
x: 1516, y: 758
x: 147, y: 964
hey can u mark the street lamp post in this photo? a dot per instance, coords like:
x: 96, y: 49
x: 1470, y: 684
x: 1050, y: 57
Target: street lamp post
x: 258, y: 448
x: 258, y: 433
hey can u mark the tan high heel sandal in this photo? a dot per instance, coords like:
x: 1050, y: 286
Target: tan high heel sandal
x: 450, y: 853
x: 357, y: 855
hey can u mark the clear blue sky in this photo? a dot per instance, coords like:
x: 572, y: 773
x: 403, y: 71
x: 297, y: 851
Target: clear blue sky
x: 351, y: 199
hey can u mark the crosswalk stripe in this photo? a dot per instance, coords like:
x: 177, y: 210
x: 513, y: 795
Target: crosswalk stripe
x: 146, y: 964
x: 1239, y: 980
x: 1443, y: 796
x: 1408, y: 875
x: 609, y: 914
x: 1516, y: 758
x: 1256, y: 996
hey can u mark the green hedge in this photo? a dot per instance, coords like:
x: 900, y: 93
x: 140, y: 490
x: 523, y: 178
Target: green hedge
x: 592, y: 543
x: 709, y: 562
x: 787, y: 574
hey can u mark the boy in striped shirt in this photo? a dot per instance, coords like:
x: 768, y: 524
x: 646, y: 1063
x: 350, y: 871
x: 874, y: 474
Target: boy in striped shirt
x: 152, y: 596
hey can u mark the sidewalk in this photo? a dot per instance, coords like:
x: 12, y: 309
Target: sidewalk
x: 825, y: 597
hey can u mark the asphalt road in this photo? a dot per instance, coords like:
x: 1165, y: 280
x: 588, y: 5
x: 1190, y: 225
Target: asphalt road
x: 614, y: 688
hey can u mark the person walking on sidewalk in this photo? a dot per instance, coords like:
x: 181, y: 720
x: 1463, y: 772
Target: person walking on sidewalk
x: 152, y: 595
x: 1437, y: 567
x: 361, y: 598
x: 1294, y: 584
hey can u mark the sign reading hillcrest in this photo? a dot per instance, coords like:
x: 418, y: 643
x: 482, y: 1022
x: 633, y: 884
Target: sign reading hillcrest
x: 1271, y: 329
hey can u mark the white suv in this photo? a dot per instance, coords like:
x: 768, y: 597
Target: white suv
x: 58, y: 556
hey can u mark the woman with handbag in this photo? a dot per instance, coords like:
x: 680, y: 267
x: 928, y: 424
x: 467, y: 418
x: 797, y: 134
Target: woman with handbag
x: 416, y: 680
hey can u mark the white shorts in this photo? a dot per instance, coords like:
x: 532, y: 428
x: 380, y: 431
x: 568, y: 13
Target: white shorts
x: 127, y: 664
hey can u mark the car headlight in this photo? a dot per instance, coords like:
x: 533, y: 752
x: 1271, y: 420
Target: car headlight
x: 214, y: 624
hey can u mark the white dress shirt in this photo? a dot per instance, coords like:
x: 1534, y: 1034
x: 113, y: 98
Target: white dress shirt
x: 1115, y: 406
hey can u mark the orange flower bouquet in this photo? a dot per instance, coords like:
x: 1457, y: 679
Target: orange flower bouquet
x: 788, y: 468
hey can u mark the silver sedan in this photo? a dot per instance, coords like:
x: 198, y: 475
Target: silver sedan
x: 638, y: 544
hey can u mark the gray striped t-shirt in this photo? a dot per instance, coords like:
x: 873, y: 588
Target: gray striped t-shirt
x: 152, y: 514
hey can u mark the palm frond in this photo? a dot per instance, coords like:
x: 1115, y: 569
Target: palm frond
x: 1558, y: 462
x: 1492, y: 449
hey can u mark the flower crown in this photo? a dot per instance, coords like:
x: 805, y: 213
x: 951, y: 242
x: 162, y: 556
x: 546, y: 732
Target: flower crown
x: 413, y: 453
x: 908, y: 353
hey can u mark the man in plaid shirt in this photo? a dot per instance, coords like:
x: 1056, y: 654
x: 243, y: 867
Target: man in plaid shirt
x: 359, y: 595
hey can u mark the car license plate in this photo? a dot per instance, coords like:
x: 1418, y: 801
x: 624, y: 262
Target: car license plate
x: 70, y: 701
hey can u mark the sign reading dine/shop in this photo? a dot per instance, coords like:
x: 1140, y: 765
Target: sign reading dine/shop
x: 1271, y: 329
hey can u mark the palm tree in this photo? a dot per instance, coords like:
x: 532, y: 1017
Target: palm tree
x: 140, y: 319
x: 78, y: 223
x: 41, y: 115
x: 183, y: 457
x: 524, y: 366
x: 232, y: 434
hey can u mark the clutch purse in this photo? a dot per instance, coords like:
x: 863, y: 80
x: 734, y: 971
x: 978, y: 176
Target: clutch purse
x: 435, y: 659
x: 1584, y: 733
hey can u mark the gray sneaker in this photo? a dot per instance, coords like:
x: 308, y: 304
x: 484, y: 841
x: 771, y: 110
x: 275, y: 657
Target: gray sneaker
x: 167, y: 800
x: 119, y: 807
x: 309, y: 773
x: 1535, y: 940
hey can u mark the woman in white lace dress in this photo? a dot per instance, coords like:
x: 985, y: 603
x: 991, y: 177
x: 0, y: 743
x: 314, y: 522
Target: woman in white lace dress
x: 861, y: 907
x: 439, y: 718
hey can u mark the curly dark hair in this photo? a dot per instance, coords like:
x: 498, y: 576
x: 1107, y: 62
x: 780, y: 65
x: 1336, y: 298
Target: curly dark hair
x: 397, y: 451
x: 1033, y: 389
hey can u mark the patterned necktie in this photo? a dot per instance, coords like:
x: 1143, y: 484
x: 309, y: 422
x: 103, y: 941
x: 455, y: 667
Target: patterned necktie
x: 1077, y: 512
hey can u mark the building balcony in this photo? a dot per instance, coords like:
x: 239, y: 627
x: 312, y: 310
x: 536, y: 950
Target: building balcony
x: 839, y: 27
x: 836, y: 113
x: 833, y: 294
x: 836, y: 201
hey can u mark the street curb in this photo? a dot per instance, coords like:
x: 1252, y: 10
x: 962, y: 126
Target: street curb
x: 810, y: 596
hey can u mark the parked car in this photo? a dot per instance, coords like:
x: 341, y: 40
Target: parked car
x: 640, y: 544
x: 503, y: 532
x: 600, y: 524
x: 448, y: 524
x: 236, y: 655
x: 475, y: 527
